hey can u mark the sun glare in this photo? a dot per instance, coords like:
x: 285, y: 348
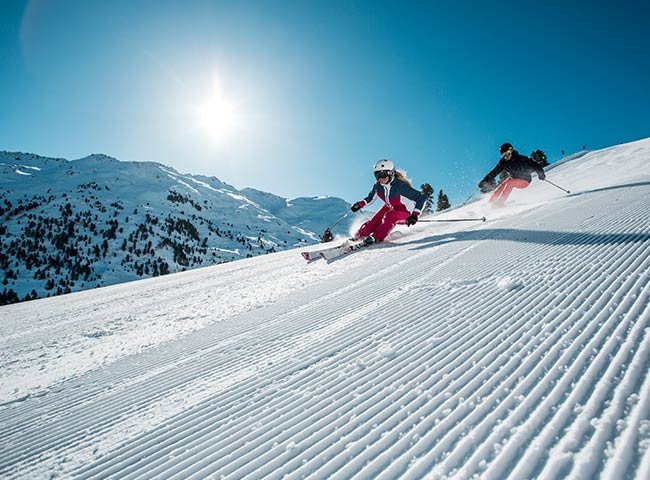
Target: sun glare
x: 218, y: 116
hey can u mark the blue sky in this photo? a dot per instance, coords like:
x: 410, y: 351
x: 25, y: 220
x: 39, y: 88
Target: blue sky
x: 300, y: 98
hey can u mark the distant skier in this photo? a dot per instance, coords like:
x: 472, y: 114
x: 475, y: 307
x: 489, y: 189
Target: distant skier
x: 402, y: 203
x: 517, y: 166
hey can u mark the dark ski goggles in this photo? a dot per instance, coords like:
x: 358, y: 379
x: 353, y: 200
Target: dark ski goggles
x: 383, y: 174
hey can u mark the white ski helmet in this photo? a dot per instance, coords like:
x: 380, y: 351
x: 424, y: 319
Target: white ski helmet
x: 384, y: 165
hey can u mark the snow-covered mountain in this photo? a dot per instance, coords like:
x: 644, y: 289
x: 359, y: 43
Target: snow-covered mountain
x: 73, y: 225
x: 313, y: 214
x: 518, y: 348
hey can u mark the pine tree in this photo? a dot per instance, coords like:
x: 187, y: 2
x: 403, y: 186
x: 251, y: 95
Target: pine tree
x: 427, y: 190
x: 443, y: 201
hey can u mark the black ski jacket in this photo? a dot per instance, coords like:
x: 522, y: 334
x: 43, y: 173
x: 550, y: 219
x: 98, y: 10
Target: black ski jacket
x: 519, y: 166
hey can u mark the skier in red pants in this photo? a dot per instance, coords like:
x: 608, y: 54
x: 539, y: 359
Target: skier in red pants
x: 518, y: 167
x: 502, y: 192
x: 402, y: 203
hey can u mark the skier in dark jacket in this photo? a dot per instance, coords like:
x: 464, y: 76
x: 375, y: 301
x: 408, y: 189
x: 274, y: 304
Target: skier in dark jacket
x: 517, y: 166
x: 402, y: 203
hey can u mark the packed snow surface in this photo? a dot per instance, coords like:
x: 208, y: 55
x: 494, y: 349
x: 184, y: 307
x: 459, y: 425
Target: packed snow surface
x: 516, y: 348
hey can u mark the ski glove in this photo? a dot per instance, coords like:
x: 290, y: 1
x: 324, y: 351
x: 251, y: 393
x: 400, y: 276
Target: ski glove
x: 541, y: 176
x: 486, y: 186
x: 411, y: 220
x: 356, y: 206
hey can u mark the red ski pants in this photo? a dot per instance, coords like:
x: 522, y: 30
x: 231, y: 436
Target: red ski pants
x: 382, y: 222
x: 503, y: 191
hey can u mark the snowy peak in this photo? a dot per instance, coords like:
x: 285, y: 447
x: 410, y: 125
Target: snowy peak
x: 313, y: 214
x: 98, y: 159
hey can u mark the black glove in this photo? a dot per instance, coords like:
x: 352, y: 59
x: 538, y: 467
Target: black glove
x: 356, y: 206
x: 411, y: 220
x: 541, y: 175
x: 486, y: 185
x: 327, y: 236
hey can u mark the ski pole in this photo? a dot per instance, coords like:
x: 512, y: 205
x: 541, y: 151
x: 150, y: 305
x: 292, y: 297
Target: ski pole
x: 339, y: 220
x: 482, y: 219
x: 468, y: 198
x: 557, y: 186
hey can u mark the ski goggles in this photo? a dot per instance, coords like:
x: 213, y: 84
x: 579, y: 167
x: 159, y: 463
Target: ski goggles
x: 383, y: 174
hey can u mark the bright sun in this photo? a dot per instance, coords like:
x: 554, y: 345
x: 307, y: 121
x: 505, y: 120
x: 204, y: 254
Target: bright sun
x: 217, y: 116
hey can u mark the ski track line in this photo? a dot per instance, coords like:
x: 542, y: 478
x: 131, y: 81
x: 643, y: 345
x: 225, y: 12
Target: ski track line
x: 522, y: 436
x: 628, y: 445
x: 589, y: 417
x: 356, y: 404
x: 476, y: 434
x: 645, y: 257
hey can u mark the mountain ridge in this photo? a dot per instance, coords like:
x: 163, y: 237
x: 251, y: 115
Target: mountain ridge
x: 70, y: 225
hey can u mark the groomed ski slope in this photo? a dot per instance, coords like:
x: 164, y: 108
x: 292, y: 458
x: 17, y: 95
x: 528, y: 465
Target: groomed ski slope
x: 518, y: 348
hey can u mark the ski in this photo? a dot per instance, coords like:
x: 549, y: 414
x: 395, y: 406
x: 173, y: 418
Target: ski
x: 316, y: 254
x: 309, y: 256
x: 346, y: 247
x: 332, y: 253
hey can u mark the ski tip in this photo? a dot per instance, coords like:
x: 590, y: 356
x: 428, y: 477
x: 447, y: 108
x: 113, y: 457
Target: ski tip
x: 305, y: 255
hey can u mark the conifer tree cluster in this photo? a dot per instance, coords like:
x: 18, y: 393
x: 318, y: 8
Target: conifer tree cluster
x: 61, y: 245
x: 441, y: 204
x: 427, y: 190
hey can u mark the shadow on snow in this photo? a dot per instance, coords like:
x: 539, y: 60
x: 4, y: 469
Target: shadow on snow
x: 613, y: 187
x: 543, y: 237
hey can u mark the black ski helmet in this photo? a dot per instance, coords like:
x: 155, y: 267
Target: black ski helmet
x: 505, y: 147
